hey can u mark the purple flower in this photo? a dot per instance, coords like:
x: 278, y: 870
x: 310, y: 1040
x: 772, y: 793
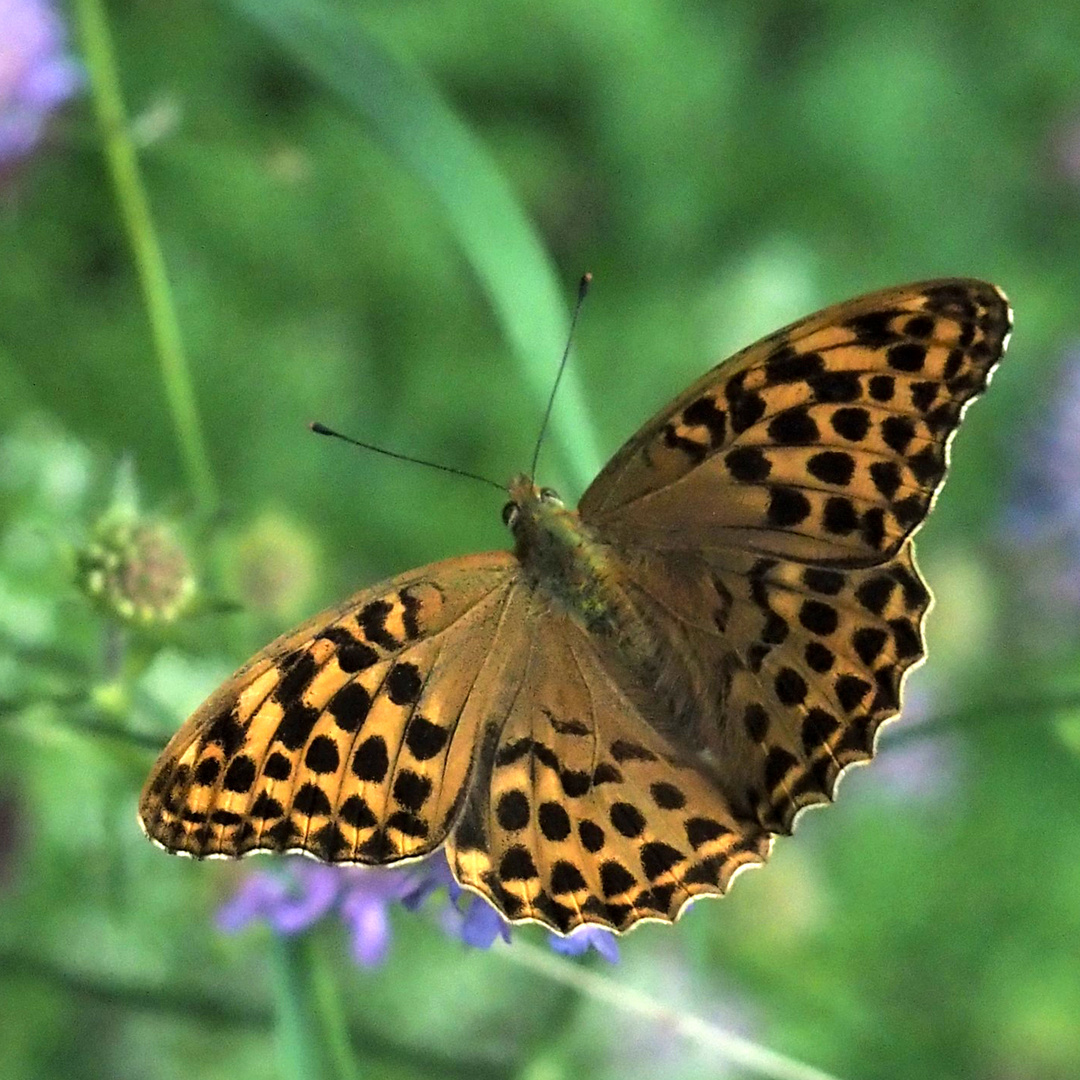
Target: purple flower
x: 365, y: 910
x: 474, y: 921
x: 1042, y: 519
x: 909, y: 764
x: 585, y: 938
x: 36, y: 74
x: 299, y: 893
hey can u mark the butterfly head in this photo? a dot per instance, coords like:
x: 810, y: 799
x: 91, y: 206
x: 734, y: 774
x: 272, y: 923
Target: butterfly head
x: 538, y: 519
x: 529, y: 504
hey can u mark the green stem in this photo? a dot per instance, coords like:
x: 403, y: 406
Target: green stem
x: 135, y: 212
x: 755, y: 1059
x: 328, y: 1000
x: 301, y: 1052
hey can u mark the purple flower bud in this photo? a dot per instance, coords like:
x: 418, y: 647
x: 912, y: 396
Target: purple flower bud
x: 36, y: 74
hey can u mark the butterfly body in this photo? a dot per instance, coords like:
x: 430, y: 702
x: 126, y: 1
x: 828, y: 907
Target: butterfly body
x: 567, y: 565
x: 619, y: 715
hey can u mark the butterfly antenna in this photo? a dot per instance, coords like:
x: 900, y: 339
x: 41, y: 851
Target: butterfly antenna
x: 322, y: 429
x: 582, y: 292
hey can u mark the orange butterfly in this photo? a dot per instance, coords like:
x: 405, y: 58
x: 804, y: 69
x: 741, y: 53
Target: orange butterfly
x: 617, y: 716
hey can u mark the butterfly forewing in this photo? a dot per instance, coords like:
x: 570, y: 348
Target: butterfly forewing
x: 349, y: 738
x: 824, y: 442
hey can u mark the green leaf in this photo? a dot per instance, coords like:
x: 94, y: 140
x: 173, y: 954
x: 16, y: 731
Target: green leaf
x: 416, y: 126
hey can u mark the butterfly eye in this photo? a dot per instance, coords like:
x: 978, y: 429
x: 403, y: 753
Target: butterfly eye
x: 550, y: 495
x: 510, y: 514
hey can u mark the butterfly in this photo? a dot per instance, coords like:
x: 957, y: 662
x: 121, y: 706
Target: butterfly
x: 621, y: 713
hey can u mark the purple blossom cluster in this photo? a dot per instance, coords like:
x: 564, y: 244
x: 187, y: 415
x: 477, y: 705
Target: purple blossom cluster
x: 36, y: 73
x: 1043, y: 516
x: 301, y: 893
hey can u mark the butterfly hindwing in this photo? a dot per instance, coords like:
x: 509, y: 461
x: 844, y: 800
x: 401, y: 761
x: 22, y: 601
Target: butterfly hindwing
x: 582, y: 812
x: 817, y: 660
x: 349, y: 738
x: 823, y: 442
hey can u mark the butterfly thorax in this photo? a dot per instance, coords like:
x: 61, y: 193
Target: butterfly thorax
x: 560, y: 555
x: 568, y: 565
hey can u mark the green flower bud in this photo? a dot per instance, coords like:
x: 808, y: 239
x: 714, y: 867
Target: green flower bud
x: 137, y: 569
x: 274, y: 567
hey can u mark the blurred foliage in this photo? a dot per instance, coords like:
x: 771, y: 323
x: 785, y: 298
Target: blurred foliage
x: 389, y: 245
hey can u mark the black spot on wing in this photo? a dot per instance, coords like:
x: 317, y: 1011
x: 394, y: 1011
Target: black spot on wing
x: 836, y: 387
x: 787, y: 507
x: 226, y: 731
x: 403, y: 684
x: 296, y: 725
x: 874, y: 329
x: 745, y: 407
x: 372, y: 621
x: 748, y: 464
x: 704, y: 413
x: 299, y: 670
x: 832, y: 467
x: 695, y: 451
x: 793, y: 427
x: 410, y: 613
x: 424, y: 739
x: 788, y: 366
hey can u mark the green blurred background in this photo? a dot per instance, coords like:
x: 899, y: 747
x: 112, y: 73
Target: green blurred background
x: 375, y: 215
